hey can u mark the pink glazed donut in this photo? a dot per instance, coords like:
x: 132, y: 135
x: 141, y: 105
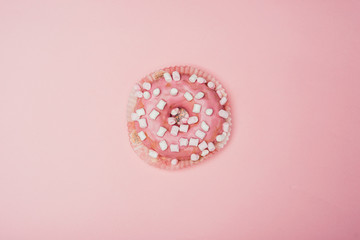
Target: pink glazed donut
x: 177, y: 117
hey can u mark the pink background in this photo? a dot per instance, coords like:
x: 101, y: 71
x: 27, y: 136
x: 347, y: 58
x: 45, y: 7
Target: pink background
x: 290, y: 171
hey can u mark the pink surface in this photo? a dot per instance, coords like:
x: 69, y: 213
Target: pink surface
x: 290, y: 170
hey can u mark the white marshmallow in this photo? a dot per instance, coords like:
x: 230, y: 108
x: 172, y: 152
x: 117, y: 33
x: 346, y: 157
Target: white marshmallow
x: 138, y: 94
x: 209, y: 111
x: 171, y: 120
x: 174, y: 161
x: 202, y: 145
x: 197, y: 108
x: 146, y: 95
x: 176, y: 76
x: 183, y: 141
x: 174, y: 91
x: 174, y: 130
x: 163, y: 145
x: 226, y: 127
x: 204, y: 126
x: 137, y: 87
x: 200, y: 134
x: 184, y: 128
x: 140, y: 112
x: 204, y: 153
x: 220, y: 138
x: 193, y: 142
x: 193, y: 78
x: 201, y: 80
x: 161, y: 131
x: 194, y: 157
x: 188, y: 96
x: 167, y: 77
x: 211, y: 85
x: 211, y: 146
x: 219, y: 93
x: 223, y: 100
x: 174, y: 111
x: 156, y: 92
x: 223, y: 113
x: 153, y: 153
x: 154, y: 114
x: 199, y: 95
x: 174, y: 148
x: 134, y: 116
x: 142, y: 123
x: 146, y: 85
x: 192, y: 120
x: 161, y: 104
x: 142, y: 135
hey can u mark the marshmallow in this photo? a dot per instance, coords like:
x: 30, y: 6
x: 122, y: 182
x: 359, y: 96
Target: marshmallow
x: 223, y: 113
x: 167, y: 77
x: 211, y: 146
x: 153, y: 153
x: 161, y: 131
x: 142, y: 135
x: 174, y: 130
x: 137, y: 87
x: 194, y: 157
x: 176, y: 76
x: 220, y: 138
x: 174, y: 148
x: 174, y: 111
x: 138, y: 94
x: 223, y: 100
x: 171, y: 120
x: 154, y: 114
x: 193, y: 119
x: 209, y: 111
x: 204, y: 126
x: 201, y: 80
x: 161, y: 104
x: 163, y: 145
x: 211, y: 85
x: 174, y: 91
x: 142, y: 123
x: 140, y: 112
x: 197, y: 108
x: 188, y: 96
x: 184, y: 120
x: 156, y: 92
x: 146, y: 85
x: 183, y: 141
x: 200, y: 134
x: 193, y: 142
x: 226, y: 127
x: 146, y: 95
x: 184, y: 128
x: 199, y: 95
x: 202, y: 146
x: 204, y: 153
x: 174, y: 161
x: 134, y: 116
x: 193, y: 78
x: 219, y: 93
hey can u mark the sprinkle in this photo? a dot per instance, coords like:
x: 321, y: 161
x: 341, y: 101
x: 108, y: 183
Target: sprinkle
x: 138, y: 94
x: 147, y: 85
x: 171, y: 120
x: 167, y: 77
x: 154, y: 114
x: 174, y: 161
x: 196, y: 108
x: 174, y: 92
x: 146, y: 95
x: 211, y: 85
x: 134, y: 116
x: 174, y: 148
x: 176, y: 76
x: 200, y: 134
x: 204, y: 126
x: 156, y: 92
x: 183, y: 141
x: 223, y: 113
x: 226, y: 127
x: 193, y: 142
x: 184, y: 128
x: 161, y: 131
x: 204, y: 153
x: 193, y: 78
x: 140, y: 112
x: 202, y: 145
x: 174, y: 130
x: 194, y: 157
x: 163, y: 145
x: 209, y: 111
x: 142, y: 135
x: 161, y: 104
x: 193, y: 119
x: 153, y: 153
x: 199, y: 95
x: 201, y: 80
x: 142, y: 123
x: 174, y: 111
x: 223, y: 100
x: 211, y: 146
x: 188, y: 96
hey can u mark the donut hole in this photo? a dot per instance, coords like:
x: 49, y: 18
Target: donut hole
x: 180, y: 114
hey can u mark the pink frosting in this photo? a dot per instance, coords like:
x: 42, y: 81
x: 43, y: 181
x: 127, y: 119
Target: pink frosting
x: 210, y: 100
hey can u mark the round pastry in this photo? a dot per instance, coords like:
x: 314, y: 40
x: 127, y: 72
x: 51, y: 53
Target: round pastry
x: 178, y: 117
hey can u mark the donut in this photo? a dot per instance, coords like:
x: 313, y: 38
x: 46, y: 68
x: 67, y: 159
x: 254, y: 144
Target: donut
x: 178, y: 117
